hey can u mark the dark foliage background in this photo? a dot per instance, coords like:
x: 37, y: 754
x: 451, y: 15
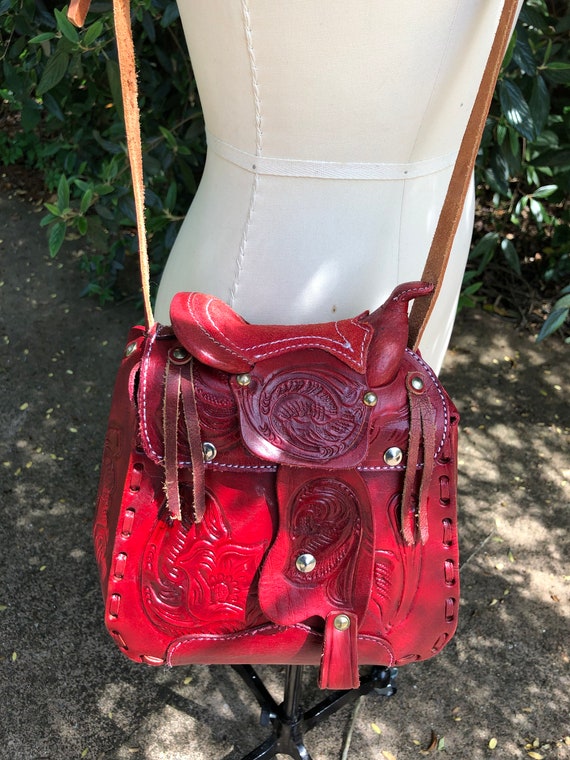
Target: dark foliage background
x: 60, y: 113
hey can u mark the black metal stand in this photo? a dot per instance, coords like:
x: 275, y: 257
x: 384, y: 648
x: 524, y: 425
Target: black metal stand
x: 290, y: 722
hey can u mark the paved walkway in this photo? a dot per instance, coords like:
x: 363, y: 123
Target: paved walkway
x: 65, y: 691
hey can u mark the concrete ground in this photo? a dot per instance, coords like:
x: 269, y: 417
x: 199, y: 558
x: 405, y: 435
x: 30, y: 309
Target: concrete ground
x: 500, y: 689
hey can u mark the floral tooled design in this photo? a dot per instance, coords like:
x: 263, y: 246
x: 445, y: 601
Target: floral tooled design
x: 397, y: 573
x: 217, y: 408
x: 326, y: 523
x: 315, y: 415
x: 196, y: 578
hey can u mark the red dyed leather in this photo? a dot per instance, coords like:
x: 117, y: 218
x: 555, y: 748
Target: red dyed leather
x: 198, y: 559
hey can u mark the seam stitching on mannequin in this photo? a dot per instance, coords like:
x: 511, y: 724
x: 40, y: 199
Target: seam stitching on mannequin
x: 258, y: 149
x: 350, y: 170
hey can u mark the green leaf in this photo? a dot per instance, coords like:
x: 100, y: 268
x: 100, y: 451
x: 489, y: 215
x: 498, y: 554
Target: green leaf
x: 523, y: 55
x: 53, y: 106
x: 555, y: 319
x: 563, y: 303
x: 114, y: 78
x: 53, y: 209
x: 54, y: 72
x: 516, y: 109
x: 510, y: 50
x: 47, y: 219
x: 63, y: 193
x: 539, y: 104
x: 511, y: 255
x: 81, y: 225
x: 169, y: 137
x: 484, y: 250
x: 39, y: 38
x: 94, y: 31
x: 171, y: 14
x: 65, y: 26
x: 545, y: 191
x: 86, y: 200
x: 56, y: 238
x: 104, y: 189
x: 536, y: 209
x: 558, y: 72
x: 170, y: 201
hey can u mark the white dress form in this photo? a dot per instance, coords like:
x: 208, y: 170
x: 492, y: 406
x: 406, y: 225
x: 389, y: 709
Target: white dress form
x: 332, y: 133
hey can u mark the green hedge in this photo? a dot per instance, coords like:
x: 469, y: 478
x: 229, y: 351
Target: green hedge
x: 64, y: 84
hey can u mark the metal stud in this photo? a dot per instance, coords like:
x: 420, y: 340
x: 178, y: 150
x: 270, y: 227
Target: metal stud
x: 305, y: 563
x: 417, y: 383
x: 342, y: 622
x: 179, y: 353
x: 370, y: 398
x: 131, y: 348
x: 393, y: 456
x: 209, y: 451
x: 243, y: 380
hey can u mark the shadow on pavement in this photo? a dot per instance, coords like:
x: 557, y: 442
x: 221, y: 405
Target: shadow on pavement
x: 67, y: 693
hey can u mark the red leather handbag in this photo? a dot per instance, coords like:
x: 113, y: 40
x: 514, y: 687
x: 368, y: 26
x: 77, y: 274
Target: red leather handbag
x: 282, y: 494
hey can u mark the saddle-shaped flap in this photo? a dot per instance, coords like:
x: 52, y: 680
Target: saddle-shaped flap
x: 219, y: 337
x: 322, y: 558
x: 212, y: 332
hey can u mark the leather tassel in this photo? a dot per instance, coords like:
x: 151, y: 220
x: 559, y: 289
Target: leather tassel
x: 171, y: 409
x: 192, y: 422
x: 339, y: 661
x: 422, y: 433
x: 180, y: 398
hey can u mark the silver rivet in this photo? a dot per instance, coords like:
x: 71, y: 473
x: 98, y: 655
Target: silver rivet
x: 417, y: 383
x: 342, y: 622
x: 179, y: 353
x: 370, y: 398
x: 243, y: 380
x: 393, y: 456
x: 305, y: 563
x: 209, y: 451
x: 130, y: 348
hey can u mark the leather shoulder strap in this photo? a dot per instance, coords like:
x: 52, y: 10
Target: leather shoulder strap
x: 452, y: 209
x: 448, y: 222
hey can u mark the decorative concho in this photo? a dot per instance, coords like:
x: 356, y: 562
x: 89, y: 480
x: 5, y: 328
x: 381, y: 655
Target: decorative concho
x: 312, y: 415
x: 326, y: 524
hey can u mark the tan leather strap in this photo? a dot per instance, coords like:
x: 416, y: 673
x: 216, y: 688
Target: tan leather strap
x: 440, y: 249
x: 442, y: 242
x: 121, y: 10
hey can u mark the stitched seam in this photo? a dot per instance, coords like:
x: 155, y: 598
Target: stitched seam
x: 316, y: 341
x: 144, y: 412
x: 240, y: 635
x: 226, y: 465
x: 258, y: 150
x: 366, y: 637
x: 209, y: 336
x: 405, y: 293
x: 296, y: 167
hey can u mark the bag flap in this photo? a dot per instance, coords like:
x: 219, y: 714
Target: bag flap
x: 219, y: 337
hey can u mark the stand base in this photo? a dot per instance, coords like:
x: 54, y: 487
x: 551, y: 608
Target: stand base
x: 288, y: 719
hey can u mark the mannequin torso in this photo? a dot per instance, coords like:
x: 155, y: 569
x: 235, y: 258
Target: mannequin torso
x: 332, y: 134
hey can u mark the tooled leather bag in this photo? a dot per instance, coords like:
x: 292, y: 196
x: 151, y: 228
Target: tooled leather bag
x: 282, y: 494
